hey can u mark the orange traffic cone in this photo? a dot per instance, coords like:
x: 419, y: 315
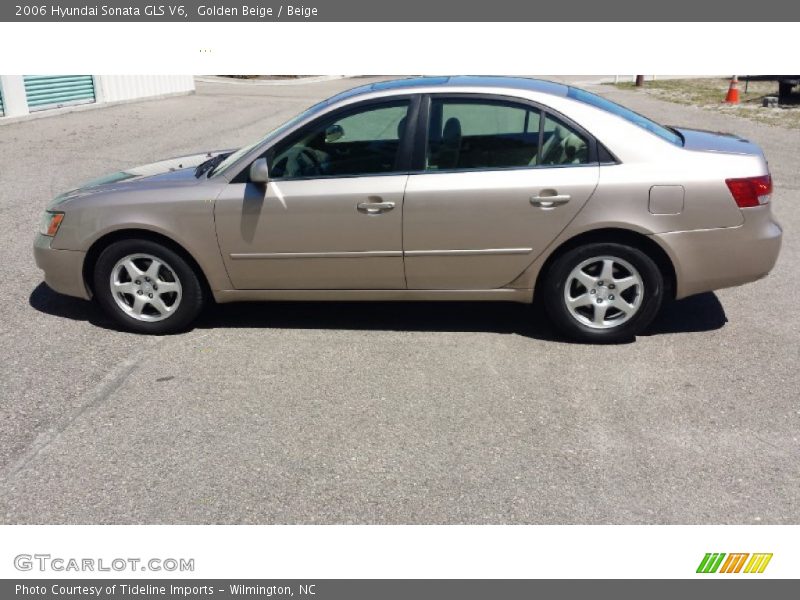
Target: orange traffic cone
x: 733, y: 91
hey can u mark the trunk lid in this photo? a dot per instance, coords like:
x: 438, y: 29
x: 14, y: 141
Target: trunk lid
x: 716, y: 141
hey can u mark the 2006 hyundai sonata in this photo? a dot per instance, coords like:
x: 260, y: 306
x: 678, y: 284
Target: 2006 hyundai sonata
x: 459, y: 188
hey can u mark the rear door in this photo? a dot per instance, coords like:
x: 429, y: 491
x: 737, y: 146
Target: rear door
x: 498, y: 180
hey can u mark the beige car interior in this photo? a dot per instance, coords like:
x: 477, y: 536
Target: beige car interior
x: 562, y: 148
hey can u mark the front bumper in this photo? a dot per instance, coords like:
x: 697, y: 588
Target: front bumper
x: 63, y: 269
x: 711, y: 259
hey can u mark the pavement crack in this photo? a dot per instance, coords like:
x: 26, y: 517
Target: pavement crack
x: 111, y: 383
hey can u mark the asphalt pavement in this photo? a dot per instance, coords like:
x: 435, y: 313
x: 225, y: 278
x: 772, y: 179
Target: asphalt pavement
x: 373, y: 412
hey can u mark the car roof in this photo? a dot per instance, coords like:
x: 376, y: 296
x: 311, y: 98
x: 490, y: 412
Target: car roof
x: 462, y: 81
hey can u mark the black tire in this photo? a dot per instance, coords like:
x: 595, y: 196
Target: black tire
x: 192, y: 297
x: 556, y: 279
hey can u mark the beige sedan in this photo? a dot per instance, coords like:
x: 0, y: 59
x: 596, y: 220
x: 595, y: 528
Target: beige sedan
x: 452, y: 188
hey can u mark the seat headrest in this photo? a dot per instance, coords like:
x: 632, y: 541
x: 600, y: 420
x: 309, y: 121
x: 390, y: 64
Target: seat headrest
x: 559, y: 133
x: 452, y: 130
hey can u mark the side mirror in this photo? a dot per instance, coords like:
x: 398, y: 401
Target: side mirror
x: 259, y: 172
x: 333, y: 133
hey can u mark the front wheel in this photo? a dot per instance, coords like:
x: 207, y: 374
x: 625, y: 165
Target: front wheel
x: 147, y: 287
x: 603, y: 292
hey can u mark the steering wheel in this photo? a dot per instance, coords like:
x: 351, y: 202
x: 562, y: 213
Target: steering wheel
x: 298, y: 159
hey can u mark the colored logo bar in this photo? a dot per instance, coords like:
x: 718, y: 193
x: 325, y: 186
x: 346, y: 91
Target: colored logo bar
x: 714, y: 562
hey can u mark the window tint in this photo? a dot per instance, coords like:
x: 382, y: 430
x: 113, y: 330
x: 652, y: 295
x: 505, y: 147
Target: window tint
x: 366, y: 142
x: 373, y: 125
x: 625, y: 113
x: 465, y: 134
x: 487, y: 119
x: 562, y: 145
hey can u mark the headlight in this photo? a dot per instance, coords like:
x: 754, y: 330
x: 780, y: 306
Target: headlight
x: 51, y: 221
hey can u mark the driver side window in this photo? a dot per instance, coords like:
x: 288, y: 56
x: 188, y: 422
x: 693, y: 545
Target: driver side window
x: 362, y: 142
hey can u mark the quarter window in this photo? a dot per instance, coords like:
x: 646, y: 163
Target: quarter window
x: 365, y: 142
x: 466, y: 134
x: 562, y: 145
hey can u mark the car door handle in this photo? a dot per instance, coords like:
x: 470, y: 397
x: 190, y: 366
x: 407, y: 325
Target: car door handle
x: 550, y: 201
x: 374, y: 208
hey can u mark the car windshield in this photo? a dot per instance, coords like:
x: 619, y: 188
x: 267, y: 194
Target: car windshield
x: 235, y: 156
x: 666, y: 133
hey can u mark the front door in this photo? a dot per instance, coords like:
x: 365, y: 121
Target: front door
x: 501, y: 181
x: 331, y: 215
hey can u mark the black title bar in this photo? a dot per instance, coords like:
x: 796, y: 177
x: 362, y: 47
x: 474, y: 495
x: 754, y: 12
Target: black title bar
x: 739, y: 588
x: 408, y: 10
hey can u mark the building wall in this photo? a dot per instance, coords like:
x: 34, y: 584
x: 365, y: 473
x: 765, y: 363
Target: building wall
x: 108, y: 88
x: 116, y: 88
x: 13, y: 89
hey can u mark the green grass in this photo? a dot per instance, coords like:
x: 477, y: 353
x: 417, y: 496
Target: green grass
x: 709, y: 94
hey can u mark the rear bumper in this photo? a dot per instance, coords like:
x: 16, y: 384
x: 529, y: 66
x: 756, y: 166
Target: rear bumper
x: 711, y: 259
x: 63, y: 269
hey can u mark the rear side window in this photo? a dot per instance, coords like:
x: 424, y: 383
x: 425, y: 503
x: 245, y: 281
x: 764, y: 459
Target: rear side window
x: 625, y: 113
x: 481, y: 134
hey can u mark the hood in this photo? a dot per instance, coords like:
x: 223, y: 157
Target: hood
x: 172, y: 171
x: 717, y: 141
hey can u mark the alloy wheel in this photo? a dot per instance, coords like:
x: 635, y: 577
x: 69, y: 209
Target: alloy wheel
x: 145, y: 287
x: 603, y: 292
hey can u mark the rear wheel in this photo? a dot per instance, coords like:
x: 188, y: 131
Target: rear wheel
x: 603, y: 292
x: 147, y: 287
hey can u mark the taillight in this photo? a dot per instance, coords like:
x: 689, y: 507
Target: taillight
x: 751, y: 191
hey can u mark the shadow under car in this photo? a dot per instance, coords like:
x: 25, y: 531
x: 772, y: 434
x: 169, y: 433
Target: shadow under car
x: 702, y: 312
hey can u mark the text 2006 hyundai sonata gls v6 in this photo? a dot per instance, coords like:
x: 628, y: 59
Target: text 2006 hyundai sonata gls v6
x: 457, y: 188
